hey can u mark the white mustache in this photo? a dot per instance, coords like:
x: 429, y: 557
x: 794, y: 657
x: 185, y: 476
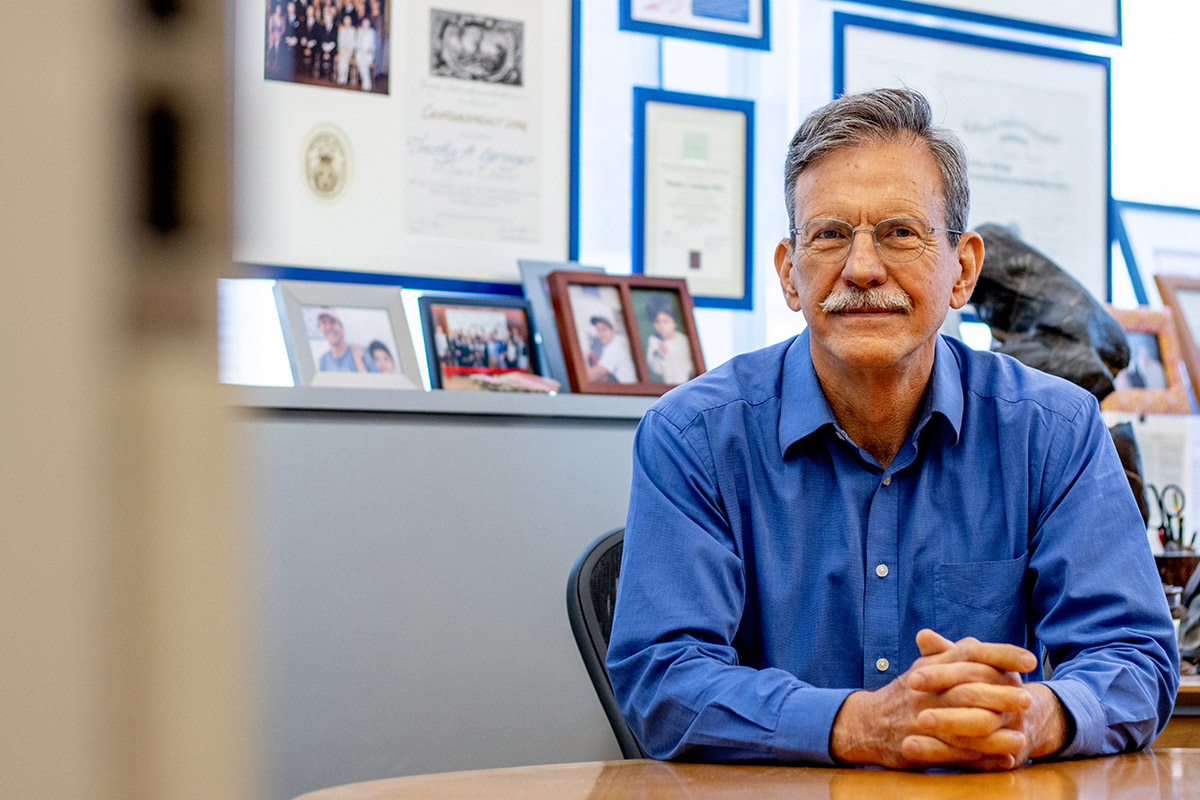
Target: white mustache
x: 856, y: 299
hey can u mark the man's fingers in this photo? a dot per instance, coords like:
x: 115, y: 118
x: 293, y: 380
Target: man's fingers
x: 946, y: 723
x: 940, y: 677
x: 1004, y: 699
x: 931, y: 643
x: 931, y: 750
x: 1004, y: 657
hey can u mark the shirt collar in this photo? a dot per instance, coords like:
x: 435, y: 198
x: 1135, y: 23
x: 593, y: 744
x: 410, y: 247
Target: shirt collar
x: 803, y: 408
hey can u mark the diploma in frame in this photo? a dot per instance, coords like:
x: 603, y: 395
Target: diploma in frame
x: 693, y: 191
x: 1035, y: 121
x: 466, y: 165
x: 1090, y: 20
x: 735, y: 23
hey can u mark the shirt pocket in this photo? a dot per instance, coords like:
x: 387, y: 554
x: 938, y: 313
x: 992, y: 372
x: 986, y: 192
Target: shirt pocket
x: 984, y: 599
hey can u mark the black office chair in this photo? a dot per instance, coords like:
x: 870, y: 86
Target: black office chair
x: 591, y: 597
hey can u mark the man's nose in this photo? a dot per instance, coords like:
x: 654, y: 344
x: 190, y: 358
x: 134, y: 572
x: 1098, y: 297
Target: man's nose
x: 863, y: 265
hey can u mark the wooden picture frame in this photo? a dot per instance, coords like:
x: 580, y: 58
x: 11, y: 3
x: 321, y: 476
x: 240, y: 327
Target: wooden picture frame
x: 1182, y: 296
x: 605, y: 325
x: 537, y: 291
x: 1153, y: 382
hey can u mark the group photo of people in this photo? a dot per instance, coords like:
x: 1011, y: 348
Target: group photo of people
x: 336, y: 43
x: 476, y: 340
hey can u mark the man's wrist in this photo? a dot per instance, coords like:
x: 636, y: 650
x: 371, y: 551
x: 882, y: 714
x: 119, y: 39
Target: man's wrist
x: 848, y: 735
x: 1052, y: 727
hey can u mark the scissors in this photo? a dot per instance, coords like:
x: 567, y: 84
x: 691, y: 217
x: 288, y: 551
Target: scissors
x: 1170, y: 503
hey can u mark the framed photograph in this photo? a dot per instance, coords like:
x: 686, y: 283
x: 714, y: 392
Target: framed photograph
x: 1157, y: 240
x: 1153, y: 383
x: 1035, y: 120
x: 340, y: 334
x: 335, y: 47
x: 666, y: 331
x: 463, y: 152
x: 613, y: 328
x: 537, y: 292
x: 1090, y: 20
x: 693, y: 190
x: 1181, y: 295
x: 735, y: 23
x: 480, y: 343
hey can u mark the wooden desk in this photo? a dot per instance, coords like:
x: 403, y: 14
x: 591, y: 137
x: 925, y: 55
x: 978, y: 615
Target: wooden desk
x: 1183, y: 730
x: 1147, y: 775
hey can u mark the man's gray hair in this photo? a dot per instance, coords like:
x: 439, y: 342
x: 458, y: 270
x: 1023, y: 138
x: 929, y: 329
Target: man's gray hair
x: 853, y: 120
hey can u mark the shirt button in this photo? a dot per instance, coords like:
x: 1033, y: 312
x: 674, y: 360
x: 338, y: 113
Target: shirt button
x: 887, y: 481
x: 881, y: 665
x: 841, y: 436
x: 881, y: 570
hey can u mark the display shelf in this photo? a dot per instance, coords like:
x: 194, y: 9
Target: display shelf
x: 438, y: 401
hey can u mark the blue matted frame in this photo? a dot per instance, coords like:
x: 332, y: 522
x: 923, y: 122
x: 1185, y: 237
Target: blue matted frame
x: 427, y: 283
x: 760, y: 42
x: 1003, y: 21
x: 642, y: 96
x: 1122, y: 238
x: 841, y: 21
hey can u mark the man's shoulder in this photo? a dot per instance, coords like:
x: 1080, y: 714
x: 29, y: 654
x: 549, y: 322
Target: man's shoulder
x: 749, y: 380
x: 999, y: 378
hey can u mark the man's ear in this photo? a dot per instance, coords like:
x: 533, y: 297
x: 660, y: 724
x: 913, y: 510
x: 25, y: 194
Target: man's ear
x: 784, y: 266
x: 970, y: 262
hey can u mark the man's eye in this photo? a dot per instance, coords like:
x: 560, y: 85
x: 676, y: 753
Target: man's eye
x: 827, y: 233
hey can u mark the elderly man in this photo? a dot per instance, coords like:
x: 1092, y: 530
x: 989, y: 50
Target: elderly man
x: 857, y: 545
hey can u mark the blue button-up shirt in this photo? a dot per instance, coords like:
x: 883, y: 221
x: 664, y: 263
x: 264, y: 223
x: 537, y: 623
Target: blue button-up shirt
x: 771, y: 566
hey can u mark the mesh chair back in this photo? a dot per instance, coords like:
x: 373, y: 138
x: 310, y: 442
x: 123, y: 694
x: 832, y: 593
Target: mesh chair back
x: 591, y: 597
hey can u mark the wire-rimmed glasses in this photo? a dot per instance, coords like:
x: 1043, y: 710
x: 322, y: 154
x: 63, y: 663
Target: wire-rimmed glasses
x: 898, y: 240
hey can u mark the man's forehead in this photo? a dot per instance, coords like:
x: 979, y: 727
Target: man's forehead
x: 883, y: 170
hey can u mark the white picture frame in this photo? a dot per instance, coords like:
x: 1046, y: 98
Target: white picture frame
x: 464, y: 166
x: 368, y: 315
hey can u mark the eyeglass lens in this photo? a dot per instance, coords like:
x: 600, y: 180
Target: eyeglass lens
x: 829, y: 240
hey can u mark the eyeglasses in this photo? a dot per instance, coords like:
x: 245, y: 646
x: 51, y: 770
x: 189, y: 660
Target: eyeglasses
x: 898, y: 240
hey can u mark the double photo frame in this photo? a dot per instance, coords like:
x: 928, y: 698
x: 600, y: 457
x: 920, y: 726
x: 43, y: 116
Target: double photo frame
x: 625, y: 334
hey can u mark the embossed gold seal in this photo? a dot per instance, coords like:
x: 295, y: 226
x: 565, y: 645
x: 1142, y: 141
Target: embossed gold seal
x: 327, y: 163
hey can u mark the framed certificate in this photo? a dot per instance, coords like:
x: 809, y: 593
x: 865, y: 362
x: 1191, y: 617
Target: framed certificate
x: 458, y: 161
x: 1035, y: 121
x: 693, y: 192
x: 1092, y: 20
x: 1157, y: 240
x: 737, y: 23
